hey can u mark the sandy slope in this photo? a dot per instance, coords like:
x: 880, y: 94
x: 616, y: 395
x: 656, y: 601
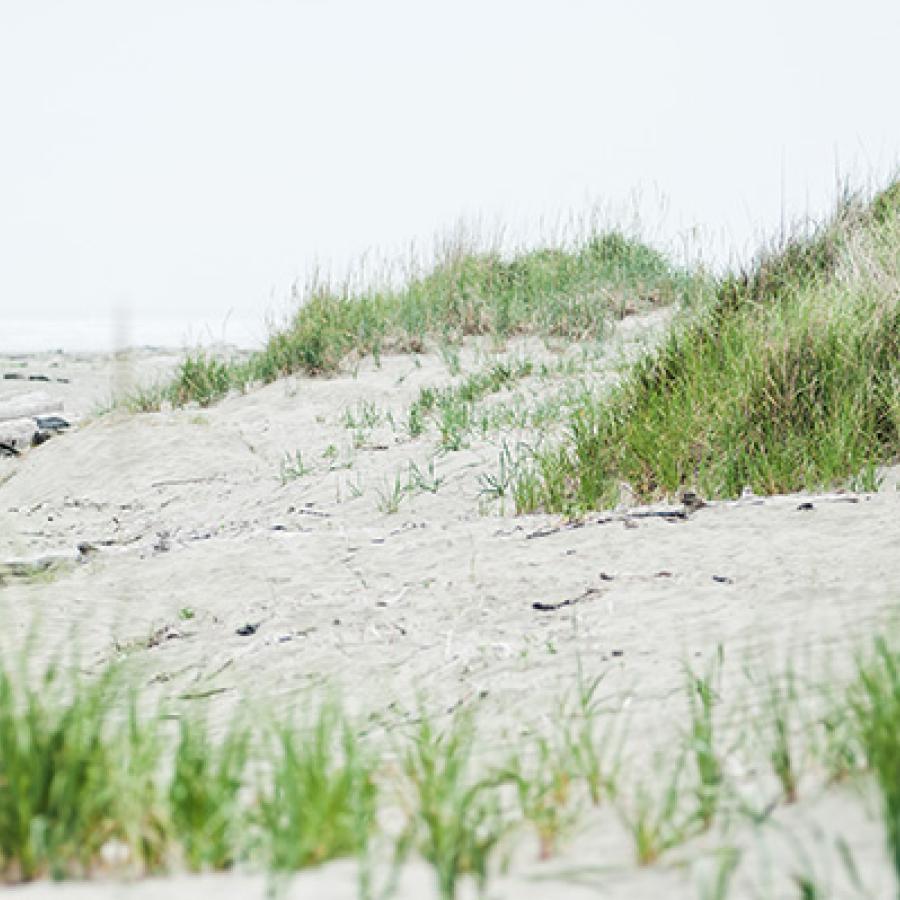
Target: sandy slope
x: 186, y: 510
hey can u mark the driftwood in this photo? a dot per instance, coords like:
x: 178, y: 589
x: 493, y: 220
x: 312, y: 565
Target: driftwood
x: 28, y: 406
x: 18, y: 434
x: 670, y: 515
x: 571, y: 601
x: 31, y: 567
x: 27, y: 420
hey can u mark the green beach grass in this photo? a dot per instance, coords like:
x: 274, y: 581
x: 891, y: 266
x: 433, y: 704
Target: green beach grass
x: 788, y: 379
x: 90, y: 785
x: 569, y: 290
x: 782, y: 377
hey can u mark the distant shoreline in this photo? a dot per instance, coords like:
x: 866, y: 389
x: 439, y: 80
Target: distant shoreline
x: 105, y: 335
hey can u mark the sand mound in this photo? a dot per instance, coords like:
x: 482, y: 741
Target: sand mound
x: 235, y: 572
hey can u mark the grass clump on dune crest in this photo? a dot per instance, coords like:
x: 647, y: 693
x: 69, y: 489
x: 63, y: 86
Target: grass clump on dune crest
x: 569, y: 291
x: 789, y: 379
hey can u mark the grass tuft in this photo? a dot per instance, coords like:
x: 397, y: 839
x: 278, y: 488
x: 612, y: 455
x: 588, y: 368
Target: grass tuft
x: 204, y: 795
x: 875, y: 705
x: 455, y: 814
x: 654, y: 818
x: 319, y: 801
x: 62, y: 778
x: 703, y: 744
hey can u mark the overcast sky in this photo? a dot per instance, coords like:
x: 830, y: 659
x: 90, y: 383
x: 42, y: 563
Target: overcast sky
x: 188, y: 159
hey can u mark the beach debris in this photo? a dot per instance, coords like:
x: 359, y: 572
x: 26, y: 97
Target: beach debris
x: 29, y: 420
x: 307, y: 510
x: 723, y: 579
x: 21, y: 376
x: 565, y: 526
x: 52, y: 423
x: 670, y: 514
x: 692, y: 501
x: 162, y: 634
x: 626, y: 518
x: 571, y: 601
x: 177, y: 482
x: 667, y: 514
x: 45, y: 564
x: 8, y: 449
x: 247, y: 629
x: 204, y: 695
x: 18, y: 433
x: 805, y: 506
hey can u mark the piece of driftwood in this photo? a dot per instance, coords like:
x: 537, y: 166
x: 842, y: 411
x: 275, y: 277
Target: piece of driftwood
x: 671, y: 514
x: 28, y: 420
x: 18, y: 433
x: 571, y: 601
x: 659, y: 514
x: 30, y: 567
x: 30, y: 405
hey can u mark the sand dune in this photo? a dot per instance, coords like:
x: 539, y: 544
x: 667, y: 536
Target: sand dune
x: 193, y: 510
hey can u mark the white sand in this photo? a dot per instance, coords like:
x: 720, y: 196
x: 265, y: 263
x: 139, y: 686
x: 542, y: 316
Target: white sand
x: 187, y: 511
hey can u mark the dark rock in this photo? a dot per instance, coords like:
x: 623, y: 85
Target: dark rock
x: 692, y: 501
x: 51, y: 423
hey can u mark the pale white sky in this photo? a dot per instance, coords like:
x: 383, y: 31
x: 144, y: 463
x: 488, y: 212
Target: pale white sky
x: 188, y: 159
